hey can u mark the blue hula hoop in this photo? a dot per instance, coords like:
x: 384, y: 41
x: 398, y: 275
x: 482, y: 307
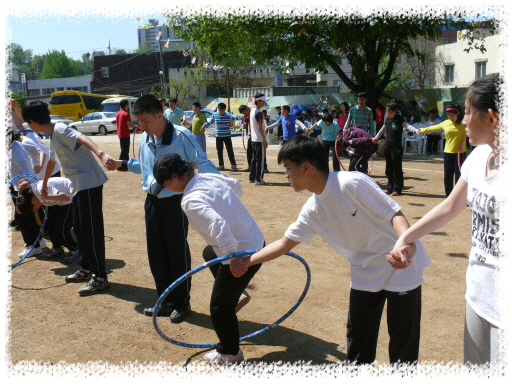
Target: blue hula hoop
x: 42, y: 225
x: 30, y: 130
x: 216, y: 261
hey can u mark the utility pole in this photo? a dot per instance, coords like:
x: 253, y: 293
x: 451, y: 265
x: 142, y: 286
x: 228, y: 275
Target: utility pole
x: 109, y: 53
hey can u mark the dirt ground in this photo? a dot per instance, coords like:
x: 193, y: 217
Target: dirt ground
x: 50, y: 323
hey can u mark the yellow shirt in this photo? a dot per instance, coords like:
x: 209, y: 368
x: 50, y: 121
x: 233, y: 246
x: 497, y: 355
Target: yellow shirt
x: 454, y: 134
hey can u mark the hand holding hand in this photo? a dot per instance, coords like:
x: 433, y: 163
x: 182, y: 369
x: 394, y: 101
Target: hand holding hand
x: 238, y: 267
x: 418, y: 131
x: 401, y: 258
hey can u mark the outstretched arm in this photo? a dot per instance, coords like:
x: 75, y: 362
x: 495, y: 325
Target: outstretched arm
x: 107, y: 161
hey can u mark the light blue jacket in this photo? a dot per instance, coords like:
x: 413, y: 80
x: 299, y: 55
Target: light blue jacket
x: 175, y: 140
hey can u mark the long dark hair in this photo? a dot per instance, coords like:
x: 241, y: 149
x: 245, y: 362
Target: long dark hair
x: 460, y: 116
x: 484, y: 93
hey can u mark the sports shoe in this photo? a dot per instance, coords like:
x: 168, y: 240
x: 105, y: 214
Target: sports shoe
x: 221, y: 168
x: 42, y: 243
x: 53, y: 252
x: 262, y: 182
x: 242, y: 301
x: 387, y: 192
x: 25, y: 253
x: 80, y: 275
x: 180, y: 313
x: 72, y: 256
x: 216, y: 358
x: 163, y: 310
x: 251, y: 181
x: 395, y: 194
x: 93, y: 286
x: 233, y: 167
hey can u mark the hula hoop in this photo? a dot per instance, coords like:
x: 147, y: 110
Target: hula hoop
x: 213, y: 262
x: 338, y: 157
x: 460, y: 149
x: 31, y: 130
x: 42, y: 225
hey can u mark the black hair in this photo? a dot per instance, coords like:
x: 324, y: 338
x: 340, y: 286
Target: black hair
x: 197, y: 104
x: 327, y: 117
x: 362, y: 94
x: 484, y: 93
x: 286, y: 108
x: 413, y: 102
x: 325, y: 110
x: 36, y: 111
x: 347, y: 107
x: 434, y: 111
x: 301, y: 149
x: 264, y: 112
x: 123, y: 103
x: 412, y: 109
x: 221, y: 106
x: 278, y: 107
x: 186, y: 168
x: 242, y: 108
x: 392, y: 105
x: 147, y: 104
x: 460, y: 116
x: 24, y: 202
x: 174, y: 100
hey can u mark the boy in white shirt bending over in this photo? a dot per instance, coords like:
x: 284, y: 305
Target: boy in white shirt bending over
x: 353, y: 215
x: 213, y: 207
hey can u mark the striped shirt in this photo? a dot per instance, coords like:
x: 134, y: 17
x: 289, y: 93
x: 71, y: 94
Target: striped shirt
x: 360, y: 116
x: 222, y: 124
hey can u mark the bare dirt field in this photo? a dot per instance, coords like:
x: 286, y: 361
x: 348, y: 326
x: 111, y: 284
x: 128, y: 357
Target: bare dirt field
x: 50, y: 323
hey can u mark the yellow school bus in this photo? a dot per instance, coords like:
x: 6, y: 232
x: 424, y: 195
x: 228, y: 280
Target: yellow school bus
x: 74, y: 105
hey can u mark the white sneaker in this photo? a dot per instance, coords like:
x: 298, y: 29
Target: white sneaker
x: 233, y: 167
x: 262, y: 182
x: 35, y: 251
x: 42, y: 243
x: 243, y: 301
x: 216, y: 358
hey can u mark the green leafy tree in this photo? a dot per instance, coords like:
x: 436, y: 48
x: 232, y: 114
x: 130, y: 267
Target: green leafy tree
x: 121, y: 52
x: 236, y: 38
x: 57, y: 65
x: 18, y: 97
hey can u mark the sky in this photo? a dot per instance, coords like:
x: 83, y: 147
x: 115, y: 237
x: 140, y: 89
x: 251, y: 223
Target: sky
x: 79, y: 34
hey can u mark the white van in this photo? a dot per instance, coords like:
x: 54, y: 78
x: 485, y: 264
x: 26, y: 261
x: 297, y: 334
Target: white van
x: 112, y: 105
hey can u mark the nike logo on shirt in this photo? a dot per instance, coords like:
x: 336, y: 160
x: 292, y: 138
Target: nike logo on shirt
x: 353, y: 214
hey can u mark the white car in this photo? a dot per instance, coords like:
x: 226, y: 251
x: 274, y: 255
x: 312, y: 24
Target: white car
x: 96, y: 122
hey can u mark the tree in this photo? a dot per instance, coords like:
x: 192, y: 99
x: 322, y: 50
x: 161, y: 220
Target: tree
x: 57, y: 65
x: 18, y: 56
x: 121, y: 51
x: 236, y: 38
x: 18, y: 97
x: 144, y: 48
x: 421, y: 66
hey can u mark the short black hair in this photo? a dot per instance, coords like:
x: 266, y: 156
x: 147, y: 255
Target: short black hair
x: 221, y: 106
x: 197, y: 104
x: 164, y: 100
x: 24, y: 202
x: 278, y: 107
x: 434, y: 111
x: 327, y: 117
x: 392, y: 105
x: 264, y: 112
x: 460, y: 116
x: 286, y: 108
x: 123, y: 103
x: 36, y: 111
x: 174, y: 100
x: 242, y: 108
x: 362, y: 94
x: 147, y: 104
x: 301, y: 149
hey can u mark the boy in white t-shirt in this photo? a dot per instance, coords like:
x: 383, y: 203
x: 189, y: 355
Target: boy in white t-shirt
x: 353, y: 215
x: 59, y: 220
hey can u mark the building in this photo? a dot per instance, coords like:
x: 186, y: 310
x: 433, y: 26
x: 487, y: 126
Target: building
x: 456, y: 68
x: 45, y: 87
x: 149, y: 34
x: 134, y: 74
x: 13, y: 75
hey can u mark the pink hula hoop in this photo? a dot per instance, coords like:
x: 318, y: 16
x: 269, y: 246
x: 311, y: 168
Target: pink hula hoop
x: 460, y: 149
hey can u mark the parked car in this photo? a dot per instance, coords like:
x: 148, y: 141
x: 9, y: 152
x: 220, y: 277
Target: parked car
x: 96, y: 122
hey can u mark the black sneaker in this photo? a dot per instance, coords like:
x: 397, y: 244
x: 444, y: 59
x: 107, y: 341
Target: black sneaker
x: 180, y: 313
x: 163, y: 311
x: 80, y: 275
x: 53, y: 252
x: 93, y: 286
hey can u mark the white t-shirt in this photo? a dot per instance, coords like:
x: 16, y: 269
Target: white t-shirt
x: 484, y: 197
x: 353, y: 216
x: 55, y: 185
x: 213, y: 208
x: 18, y: 163
x: 32, y: 137
x: 255, y: 117
x: 76, y: 160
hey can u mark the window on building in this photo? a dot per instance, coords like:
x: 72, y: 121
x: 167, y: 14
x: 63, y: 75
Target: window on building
x: 104, y: 72
x: 448, y: 74
x: 480, y: 69
x: 454, y: 39
x: 123, y: 71
x: 337, y: 83
x: 135, y: 69
x: 33, y: 92
x: 47, y: 91
x: 60, y: 89
x: 151, y: 69
x: 79, y: 89
x: 445, y: 40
